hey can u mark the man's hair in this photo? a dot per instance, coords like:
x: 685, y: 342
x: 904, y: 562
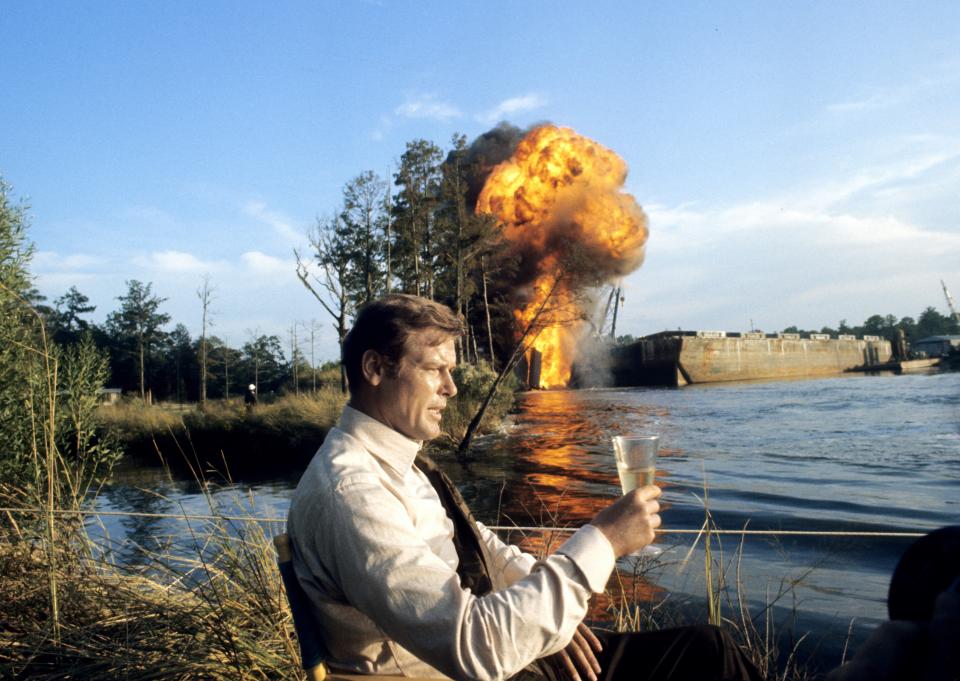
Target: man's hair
x: 384, y: 325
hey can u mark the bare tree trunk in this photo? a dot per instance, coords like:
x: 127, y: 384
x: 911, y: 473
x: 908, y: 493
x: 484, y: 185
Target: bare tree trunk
x: 313, y: 357
x: 486, y: 311
x: 143, y: 388
x: 293, y: 358
x: 473, y: 337
x: 205, y: 294
x: 389, y: 286
x: 341, y: 335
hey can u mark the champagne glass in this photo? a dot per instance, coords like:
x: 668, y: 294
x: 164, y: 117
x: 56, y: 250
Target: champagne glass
x: 637, y: 466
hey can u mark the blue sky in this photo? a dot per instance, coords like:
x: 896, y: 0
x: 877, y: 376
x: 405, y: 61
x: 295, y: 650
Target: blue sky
x: 799, y: 162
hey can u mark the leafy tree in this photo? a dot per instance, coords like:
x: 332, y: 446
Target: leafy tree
x: 418, y: 179
x: 932, y: 323
x: 66, y: 323
x: 225, y: 368
x: 263, y: 364
x: 180, y: 368
x: 465, y: 238
x: 18, y: 330
x: 47, y: 395
x: 363, y: 219
x: 136, y: 326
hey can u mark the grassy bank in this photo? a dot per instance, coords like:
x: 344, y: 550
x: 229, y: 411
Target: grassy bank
x: 282, y: 433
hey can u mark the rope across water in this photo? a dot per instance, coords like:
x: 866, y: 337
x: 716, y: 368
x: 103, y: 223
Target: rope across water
x: 498, y: 528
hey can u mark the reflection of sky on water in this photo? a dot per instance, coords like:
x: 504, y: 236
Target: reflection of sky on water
x: 151, y: 490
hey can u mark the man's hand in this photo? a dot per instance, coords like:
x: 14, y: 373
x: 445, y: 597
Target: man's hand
x: 579, y: 659
x: 629, y: 522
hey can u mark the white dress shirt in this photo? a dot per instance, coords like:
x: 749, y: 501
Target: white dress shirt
x: 373, y: 549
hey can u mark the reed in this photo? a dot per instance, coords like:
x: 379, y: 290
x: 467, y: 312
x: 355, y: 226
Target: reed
x: 218, y: 614
x: 634, y: 606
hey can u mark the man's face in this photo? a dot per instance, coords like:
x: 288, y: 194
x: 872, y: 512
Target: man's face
x: 412, y: 400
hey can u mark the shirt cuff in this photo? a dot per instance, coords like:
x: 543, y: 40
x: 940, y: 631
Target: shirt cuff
x: 592, y: 553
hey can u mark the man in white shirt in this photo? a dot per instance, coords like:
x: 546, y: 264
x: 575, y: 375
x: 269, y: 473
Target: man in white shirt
x: 403, y: 581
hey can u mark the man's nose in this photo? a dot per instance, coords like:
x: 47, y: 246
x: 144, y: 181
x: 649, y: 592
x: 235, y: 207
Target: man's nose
x: 448, y: 388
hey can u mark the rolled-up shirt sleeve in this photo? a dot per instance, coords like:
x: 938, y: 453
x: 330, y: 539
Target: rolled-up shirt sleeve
x: 415, y: 597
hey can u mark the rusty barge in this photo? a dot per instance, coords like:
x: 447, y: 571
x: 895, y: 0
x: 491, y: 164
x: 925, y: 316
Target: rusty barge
x: 678, y: 358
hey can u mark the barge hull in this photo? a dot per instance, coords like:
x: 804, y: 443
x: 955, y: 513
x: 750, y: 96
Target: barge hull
x: 678, y: 359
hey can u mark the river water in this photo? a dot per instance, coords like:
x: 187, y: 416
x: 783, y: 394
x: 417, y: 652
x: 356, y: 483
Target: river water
x: 852, y: 453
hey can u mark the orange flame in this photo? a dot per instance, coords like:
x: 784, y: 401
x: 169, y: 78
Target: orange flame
x: 562, y: 192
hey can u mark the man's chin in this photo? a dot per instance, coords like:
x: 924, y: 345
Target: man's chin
x: 431, y: 432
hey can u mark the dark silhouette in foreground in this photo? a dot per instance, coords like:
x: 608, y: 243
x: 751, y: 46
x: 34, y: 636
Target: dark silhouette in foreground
x: 921, y: 642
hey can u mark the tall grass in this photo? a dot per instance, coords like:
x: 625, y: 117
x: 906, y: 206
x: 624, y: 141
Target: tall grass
x: 635, y: 606
x: 218, y: 614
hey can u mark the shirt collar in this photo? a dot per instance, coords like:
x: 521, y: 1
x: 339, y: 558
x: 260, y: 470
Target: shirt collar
x: 393, y: 448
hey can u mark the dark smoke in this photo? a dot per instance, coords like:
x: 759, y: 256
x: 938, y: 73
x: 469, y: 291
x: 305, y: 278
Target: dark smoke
x: 487, y: 151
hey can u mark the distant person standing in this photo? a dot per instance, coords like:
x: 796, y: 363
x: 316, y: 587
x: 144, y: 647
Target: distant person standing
x: 250, y: 397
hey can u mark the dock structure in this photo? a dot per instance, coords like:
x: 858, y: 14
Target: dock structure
x: 678, y: 358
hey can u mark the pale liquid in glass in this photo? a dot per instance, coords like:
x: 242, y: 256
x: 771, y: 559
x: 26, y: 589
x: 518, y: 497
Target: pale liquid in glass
x: 632, y: 478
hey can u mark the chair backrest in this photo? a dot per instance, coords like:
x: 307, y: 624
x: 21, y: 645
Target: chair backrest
x: 313, y: 652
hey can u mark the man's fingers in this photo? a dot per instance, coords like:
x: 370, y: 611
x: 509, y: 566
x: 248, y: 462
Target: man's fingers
x: 580, y: 655
x: 649, y: 492
x: 568, y: 665
x: 591, y: 637
x: 587, y: 656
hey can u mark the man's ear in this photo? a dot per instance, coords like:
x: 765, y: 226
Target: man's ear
x: 373, y: 367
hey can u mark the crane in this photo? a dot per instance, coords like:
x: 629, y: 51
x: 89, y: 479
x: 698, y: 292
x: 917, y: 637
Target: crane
x: 950, y: 304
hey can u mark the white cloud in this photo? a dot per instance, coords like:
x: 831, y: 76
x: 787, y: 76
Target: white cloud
x: 909, y: 164
x: 178, y: 262
x: 511, y: 106
x: 877, y: 100
x: 263, y: 264
x: 933, y: 80
x: 808, y: 256
x: 51, y: 260
x: 427, y: 106
x: 280, y: 223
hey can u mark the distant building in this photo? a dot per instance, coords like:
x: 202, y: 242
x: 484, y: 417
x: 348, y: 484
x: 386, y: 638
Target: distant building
x: 110, y: 395
x: 935, y: 346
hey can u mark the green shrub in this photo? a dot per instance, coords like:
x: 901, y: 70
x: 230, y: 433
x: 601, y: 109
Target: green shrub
x: 473, y: 381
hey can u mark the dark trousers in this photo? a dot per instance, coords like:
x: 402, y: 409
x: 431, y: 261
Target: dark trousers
x: 700, y: 653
